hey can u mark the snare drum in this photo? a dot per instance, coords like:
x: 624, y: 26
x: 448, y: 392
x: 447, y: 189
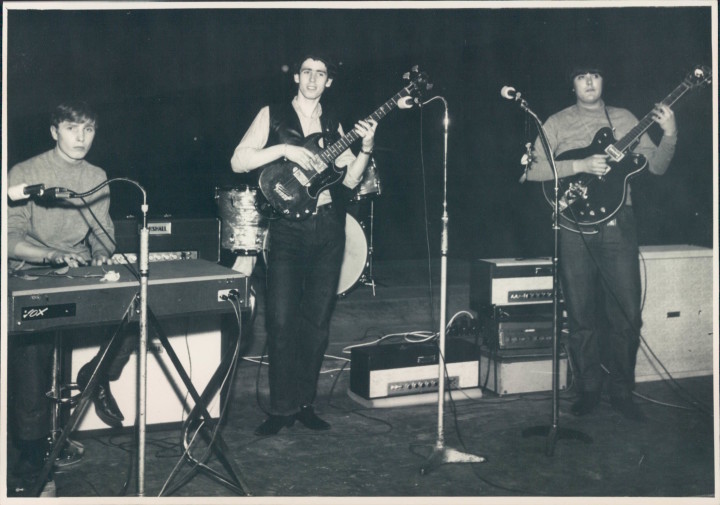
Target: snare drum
x: 354, y: 257
x: 242, y: 227
x: 369, y: 186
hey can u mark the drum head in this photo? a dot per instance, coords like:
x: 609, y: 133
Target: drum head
x: 355, y: 256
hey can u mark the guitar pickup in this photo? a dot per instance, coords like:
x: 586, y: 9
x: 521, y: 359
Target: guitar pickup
x: 614, y: 153
x: 282, y: 192
x: 300, y: 176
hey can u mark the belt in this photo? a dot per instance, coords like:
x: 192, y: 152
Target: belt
x: 322, y: 209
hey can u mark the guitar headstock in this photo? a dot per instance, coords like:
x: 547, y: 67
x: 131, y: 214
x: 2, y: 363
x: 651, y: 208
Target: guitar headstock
x: 700, y: 76
x: 419, y: 83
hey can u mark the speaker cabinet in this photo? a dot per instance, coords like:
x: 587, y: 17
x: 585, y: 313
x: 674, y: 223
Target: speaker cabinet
x: 197, y: 342
x: 677, y: 313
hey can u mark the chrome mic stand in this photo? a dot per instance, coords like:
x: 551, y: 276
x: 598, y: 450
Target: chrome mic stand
x: 367, y: 279
x: 442, y: 454
x: 552, y: 432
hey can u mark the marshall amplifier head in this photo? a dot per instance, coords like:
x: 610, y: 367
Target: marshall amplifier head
x: 170, y: 239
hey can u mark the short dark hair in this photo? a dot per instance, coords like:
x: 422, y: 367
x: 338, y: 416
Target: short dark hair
x: 74, y: 110
x: 582, y: 69
x: 328, y: 60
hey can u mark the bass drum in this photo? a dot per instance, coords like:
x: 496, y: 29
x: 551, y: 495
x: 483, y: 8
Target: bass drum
x: 354, y: 257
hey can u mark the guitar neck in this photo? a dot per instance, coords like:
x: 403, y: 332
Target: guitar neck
x: 329, y: 154
x: 646, y: 122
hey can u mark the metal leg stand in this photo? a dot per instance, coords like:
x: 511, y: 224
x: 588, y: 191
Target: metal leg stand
x: 84, y: 399
x: 217, y: 443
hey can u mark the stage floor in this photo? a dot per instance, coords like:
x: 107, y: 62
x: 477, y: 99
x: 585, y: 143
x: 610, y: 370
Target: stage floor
x: 373, y: 452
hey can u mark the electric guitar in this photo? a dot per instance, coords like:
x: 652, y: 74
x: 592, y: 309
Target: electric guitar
x: 292, y: 191
x: 586, y: 199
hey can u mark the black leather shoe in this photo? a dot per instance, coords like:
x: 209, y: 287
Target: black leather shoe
x: 273, y: 424
x: 306, y: 415
x: 627, y: 408
x: 106, y: 407
x: 586, y: 404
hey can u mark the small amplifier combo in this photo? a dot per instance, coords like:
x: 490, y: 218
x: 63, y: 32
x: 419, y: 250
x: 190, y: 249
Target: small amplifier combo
x: 407, y: 374
x: 170, y: 239
x: 510, y: 281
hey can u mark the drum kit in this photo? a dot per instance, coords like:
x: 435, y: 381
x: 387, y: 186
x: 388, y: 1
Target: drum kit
x: 244, y: 230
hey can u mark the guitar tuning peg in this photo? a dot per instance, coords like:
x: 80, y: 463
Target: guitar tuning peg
x: 414, y: 68
x: 406, y: 76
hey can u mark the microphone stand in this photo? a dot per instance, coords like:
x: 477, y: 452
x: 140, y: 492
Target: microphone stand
x: 442, y: 454
x: 552, y: 432
x: 143, y: 262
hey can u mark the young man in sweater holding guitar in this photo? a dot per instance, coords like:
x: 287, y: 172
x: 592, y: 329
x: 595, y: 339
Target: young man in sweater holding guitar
x: 604, y: 255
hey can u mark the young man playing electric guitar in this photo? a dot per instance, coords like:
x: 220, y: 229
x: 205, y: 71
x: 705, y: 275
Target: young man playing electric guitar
x: 305, y: 256
x: 603, y: 257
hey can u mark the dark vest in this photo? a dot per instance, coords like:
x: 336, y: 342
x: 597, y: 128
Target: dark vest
x: 285, y: 128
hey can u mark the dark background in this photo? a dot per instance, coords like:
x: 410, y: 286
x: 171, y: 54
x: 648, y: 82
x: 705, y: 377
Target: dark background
x: 176, y: 90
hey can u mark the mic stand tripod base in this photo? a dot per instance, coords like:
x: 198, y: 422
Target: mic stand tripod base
x: 442, y: 454
x: 554, y: 433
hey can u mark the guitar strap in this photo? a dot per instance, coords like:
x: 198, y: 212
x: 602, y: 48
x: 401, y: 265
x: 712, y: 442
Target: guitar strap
x: 607, y: 115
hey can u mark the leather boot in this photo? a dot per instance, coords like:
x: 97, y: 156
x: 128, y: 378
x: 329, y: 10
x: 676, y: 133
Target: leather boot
x: 306, y: 415
x: 106, y: 407
x: 273, y: 424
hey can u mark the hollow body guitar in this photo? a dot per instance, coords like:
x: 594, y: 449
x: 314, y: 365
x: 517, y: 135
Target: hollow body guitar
x: 292, y: 191
x: 589, y: 200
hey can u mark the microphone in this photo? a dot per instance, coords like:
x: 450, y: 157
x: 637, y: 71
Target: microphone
x: 24, y: 191
x: 406, y: 102
x: 509, y: 92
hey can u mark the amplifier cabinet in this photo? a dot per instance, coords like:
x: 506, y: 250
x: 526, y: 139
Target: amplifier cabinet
x: 677, y: 313
x: 402, y: 369
x: 197, y: 341
x: 520, y: 370
x: 510, y: 281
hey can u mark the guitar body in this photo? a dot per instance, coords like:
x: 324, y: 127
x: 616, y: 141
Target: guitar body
x: 293, y: 191
x: 586, y: 199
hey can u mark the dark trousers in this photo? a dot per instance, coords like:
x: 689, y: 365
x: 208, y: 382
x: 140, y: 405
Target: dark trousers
x: 600, y: 277
x: 30, y: 378
x: 304, y: 262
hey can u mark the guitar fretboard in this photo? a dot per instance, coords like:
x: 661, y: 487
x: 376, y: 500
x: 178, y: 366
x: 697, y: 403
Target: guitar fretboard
x: 329, y: 154
x: 646, y: 122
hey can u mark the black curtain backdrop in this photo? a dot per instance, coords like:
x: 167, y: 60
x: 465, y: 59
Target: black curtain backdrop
x: 177, y: 88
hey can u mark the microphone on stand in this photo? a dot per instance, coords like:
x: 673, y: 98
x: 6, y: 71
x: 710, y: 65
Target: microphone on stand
x: 23, y: 191
x: 407, y: 102
x: 38, y: 191
x: 509, y: 92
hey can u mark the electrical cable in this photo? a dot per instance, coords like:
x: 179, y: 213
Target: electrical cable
x: 425, y: 218
x: 199, y: 463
